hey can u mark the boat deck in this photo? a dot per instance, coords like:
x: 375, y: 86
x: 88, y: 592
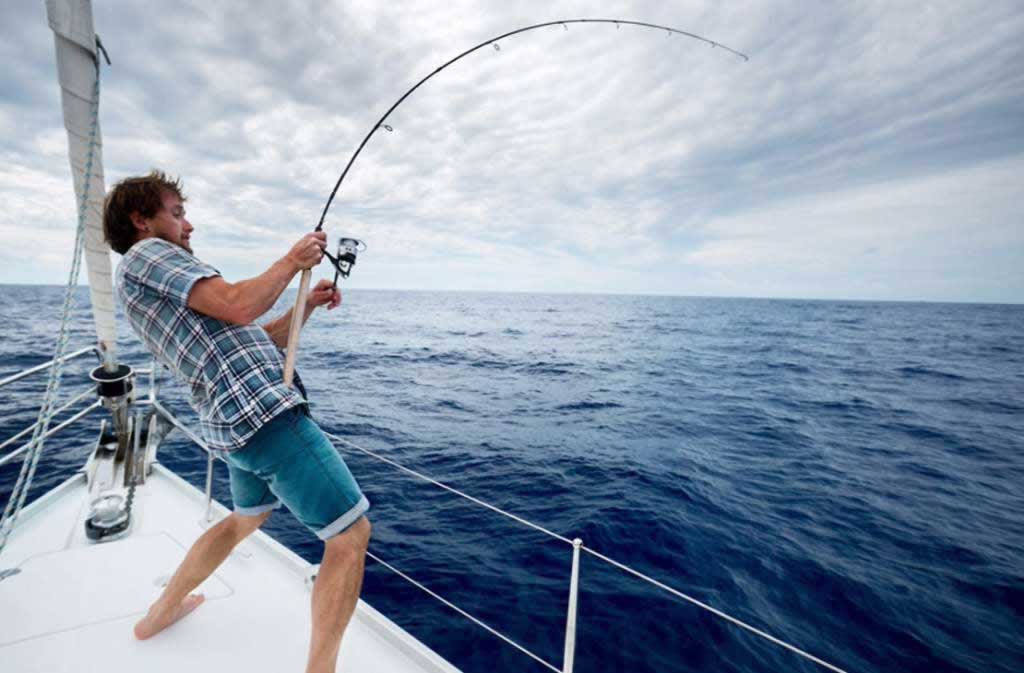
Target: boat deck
x: 73, y: 603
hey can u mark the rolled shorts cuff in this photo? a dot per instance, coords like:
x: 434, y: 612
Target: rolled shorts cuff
x: 345, y: 520
x: 258, y: 509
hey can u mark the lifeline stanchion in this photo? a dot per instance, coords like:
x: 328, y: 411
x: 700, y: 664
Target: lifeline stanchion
x: 570, y: 617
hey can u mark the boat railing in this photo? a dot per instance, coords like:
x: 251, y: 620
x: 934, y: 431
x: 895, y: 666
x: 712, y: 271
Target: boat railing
x: 577, y: 547
x: 46, y: 365
x: 78, y: 397
x: 574, y: 576
x: 576, y: 544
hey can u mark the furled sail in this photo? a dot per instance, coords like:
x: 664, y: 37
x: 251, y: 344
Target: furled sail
x: 75, y: 41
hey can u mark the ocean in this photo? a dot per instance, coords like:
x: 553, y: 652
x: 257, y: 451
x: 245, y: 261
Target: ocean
x: 844, y: 475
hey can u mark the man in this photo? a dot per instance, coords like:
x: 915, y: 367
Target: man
x: 201, y: 327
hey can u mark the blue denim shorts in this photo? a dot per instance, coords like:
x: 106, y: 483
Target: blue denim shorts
x: 290, y: 460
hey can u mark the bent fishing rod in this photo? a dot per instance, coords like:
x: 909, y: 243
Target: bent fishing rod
x: 346, y: 256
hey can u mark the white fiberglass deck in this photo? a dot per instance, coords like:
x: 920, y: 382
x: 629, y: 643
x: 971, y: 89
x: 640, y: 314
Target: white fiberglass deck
x: 73, y: 603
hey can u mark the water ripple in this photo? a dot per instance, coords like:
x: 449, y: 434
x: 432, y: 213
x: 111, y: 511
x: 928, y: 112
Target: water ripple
x: 844, y: 474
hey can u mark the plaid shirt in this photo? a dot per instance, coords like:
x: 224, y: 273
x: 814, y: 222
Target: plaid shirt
x: 235, y: 372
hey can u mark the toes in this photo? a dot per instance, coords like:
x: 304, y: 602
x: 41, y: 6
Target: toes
x: 189, y: 604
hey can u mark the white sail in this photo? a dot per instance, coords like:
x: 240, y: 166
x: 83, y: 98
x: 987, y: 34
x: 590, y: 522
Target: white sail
x: 75, y: 41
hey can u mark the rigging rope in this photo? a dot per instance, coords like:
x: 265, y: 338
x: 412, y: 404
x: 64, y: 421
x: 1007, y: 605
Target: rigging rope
x: 47, y: 410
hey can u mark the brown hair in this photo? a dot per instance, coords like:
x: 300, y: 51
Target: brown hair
x: 142, y: 195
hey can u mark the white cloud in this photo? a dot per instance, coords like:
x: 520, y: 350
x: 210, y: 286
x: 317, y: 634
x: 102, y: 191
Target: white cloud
x: 903, y: 239
x: 592, y: 159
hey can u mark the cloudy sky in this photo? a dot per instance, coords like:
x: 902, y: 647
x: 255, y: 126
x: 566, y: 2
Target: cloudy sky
x: 870, y: 150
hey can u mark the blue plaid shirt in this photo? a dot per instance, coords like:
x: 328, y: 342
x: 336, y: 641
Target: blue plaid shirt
x: 235, y: 372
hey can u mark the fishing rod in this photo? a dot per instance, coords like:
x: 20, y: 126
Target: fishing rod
x: 336, y: 260
x: 494, y: 40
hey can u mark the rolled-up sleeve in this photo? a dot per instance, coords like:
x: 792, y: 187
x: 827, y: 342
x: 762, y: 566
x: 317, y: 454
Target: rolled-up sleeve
x: 167, y: 270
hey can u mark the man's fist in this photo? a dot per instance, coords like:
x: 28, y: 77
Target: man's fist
x: 309, y: 251
x: 323, y: 294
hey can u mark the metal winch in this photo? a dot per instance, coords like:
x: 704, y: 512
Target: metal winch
x: 116, y: 386
x: 109, y: 517
x: 110, y: 508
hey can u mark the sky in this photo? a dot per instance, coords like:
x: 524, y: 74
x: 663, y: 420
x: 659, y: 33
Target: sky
x: 867, y: 150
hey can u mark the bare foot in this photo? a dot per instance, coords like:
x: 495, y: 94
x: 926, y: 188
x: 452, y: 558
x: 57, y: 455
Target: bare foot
x: 154, y: 622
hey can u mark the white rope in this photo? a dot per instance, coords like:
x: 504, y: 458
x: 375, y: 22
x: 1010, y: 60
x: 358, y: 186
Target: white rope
x: 46, y: 410
x: 452, y: 490
x: 463, y: 613
x: 622, y: 566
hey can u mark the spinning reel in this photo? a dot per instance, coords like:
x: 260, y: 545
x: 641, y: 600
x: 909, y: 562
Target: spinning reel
x: 345, y: 258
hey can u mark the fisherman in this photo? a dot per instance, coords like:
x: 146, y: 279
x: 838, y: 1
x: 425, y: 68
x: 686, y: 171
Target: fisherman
x: 203, y: 329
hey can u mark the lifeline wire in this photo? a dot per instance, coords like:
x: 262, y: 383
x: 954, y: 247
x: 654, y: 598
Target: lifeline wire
x: 17, y: 452
x: 494, y: 40
x: 446, y: 487
x: 592, y: 552
x: 462, y: 612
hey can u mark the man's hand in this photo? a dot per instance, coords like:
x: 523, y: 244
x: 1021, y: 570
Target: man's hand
x: 323, y: 294
x: 309, y: 251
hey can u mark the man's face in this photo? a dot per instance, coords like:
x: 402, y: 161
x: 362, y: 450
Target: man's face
x: 169, y: 223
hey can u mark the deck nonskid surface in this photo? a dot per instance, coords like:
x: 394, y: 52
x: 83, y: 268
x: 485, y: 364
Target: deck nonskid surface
x: 73, y: 605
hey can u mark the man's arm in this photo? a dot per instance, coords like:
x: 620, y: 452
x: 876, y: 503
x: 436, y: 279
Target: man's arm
x: 245, y: 301
x: 323, y: 293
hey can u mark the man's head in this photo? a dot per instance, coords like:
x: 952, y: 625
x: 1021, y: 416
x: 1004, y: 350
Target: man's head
x: 151, y: 206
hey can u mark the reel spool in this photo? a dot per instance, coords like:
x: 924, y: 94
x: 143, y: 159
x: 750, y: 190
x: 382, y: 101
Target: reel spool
x: 348, y: 249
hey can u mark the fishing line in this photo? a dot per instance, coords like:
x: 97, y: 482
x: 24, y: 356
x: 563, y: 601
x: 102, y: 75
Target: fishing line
x: 335, y: 260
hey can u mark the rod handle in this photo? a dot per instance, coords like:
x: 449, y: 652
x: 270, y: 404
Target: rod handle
x: 295, y: 327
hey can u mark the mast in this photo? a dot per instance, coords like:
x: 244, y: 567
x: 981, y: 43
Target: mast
x: 77, y: 70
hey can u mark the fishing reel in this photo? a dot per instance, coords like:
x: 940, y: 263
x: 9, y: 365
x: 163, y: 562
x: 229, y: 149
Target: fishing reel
x: 348, y: 249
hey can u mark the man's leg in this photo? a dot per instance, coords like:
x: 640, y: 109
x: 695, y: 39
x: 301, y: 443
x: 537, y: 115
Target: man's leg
x: 335, y: 594
x: 205, y: 556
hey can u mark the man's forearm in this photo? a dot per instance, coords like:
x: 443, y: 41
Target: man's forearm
x: 279, y: 327
x: 256, y: 296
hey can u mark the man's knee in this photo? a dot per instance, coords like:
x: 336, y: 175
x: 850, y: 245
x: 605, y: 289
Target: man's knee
x: 355, y: 538
x: 242, y: 525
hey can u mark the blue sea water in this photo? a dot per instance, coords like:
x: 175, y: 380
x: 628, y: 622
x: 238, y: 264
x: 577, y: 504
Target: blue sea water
x: 845, y: 475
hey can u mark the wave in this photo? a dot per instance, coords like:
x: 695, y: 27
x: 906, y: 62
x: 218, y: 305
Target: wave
x: 926, y: 372
x: 807, y: 467
x: 588, y: 406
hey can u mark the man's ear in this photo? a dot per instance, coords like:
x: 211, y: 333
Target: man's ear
x: 139, y: 222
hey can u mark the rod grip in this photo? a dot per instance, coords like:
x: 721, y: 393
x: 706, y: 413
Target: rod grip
x: 295, y: 327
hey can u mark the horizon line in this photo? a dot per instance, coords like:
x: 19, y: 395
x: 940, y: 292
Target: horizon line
x: 631, y: 294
